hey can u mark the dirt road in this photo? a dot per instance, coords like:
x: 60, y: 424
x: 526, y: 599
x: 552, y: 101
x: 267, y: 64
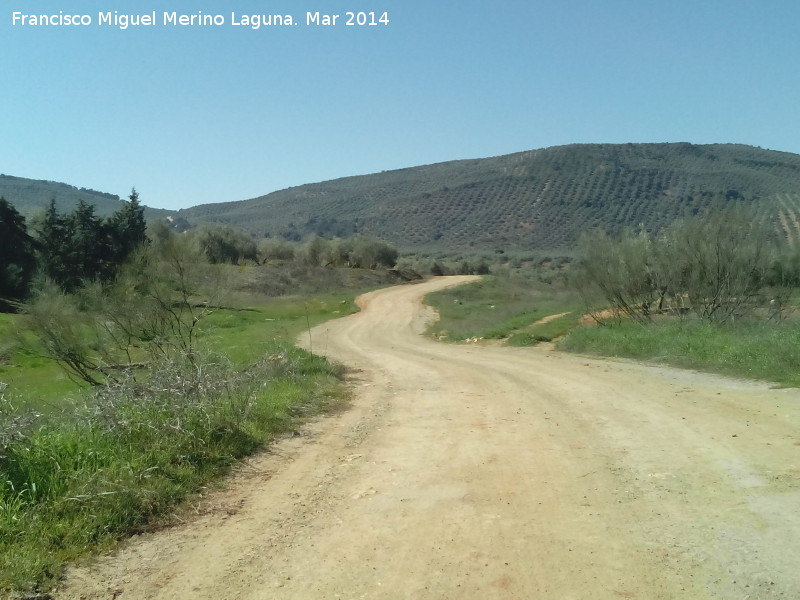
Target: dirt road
x: 465, y: 472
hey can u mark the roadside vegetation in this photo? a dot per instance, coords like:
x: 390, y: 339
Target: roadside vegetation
x: 552, y: 327
x: 137, y: 365
x: 503, y: 306
x: 756, y: 350
x: 81, y: 478
x: 716, y: 292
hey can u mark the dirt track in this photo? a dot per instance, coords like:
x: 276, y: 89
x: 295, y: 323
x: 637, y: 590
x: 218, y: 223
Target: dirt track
x: 468, y: 472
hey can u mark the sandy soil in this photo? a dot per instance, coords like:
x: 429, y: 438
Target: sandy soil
x: 463, y: 471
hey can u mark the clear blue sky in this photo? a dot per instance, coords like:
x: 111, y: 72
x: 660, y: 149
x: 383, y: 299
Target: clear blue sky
x: 208, y: 114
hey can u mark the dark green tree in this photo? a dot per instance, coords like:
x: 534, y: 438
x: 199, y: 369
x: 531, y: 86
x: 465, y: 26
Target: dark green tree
x: 91, y: 249
x: 128, y: 227
x: 17, y: 257
x: 52, y: 233
x: 80, y: 246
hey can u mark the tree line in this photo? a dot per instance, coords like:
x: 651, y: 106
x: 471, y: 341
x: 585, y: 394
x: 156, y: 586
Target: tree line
x: 78, y: 247
x: 67, y: 249
x: 107, y: 297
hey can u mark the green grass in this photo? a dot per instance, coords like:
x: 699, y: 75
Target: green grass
x: 32, y: 378
x: 494, y: 307
x: 83, y: 479
x: 498, y: 307
x: 767, y: 351
x: 242, y: 333
x: 80, y: 470
x: 545, y: 332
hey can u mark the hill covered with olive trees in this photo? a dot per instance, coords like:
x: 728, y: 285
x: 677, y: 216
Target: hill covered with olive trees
x: 539, y: 199
x: 536, y: 200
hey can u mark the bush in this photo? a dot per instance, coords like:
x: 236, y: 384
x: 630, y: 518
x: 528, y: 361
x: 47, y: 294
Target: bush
x: 226, y: 245
x: 153, y: 308
x: 716, y: 267
x: 74, y: 481
x: 275, y: 249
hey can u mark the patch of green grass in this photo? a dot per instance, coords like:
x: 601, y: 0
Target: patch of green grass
x: 768, y: 351
x: 94, y: 466
x: 545, y: 332
x: 82, y: 479
x: 494, y: 307
x: 32, y: 378
x: 244, y: 334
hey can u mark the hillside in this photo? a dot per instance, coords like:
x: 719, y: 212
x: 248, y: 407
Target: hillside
x: 540, y: 199
x: 536, y: 200
x: 33, y: 195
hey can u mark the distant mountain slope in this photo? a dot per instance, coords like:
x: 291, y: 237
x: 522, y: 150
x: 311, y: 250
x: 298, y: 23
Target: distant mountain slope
x: 33, y: 195
x: 540, y: 199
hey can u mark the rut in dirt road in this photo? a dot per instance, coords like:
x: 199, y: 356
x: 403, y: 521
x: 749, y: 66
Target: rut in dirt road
x: 488, y: 472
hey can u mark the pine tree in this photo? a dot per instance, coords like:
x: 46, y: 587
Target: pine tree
x: 17, y: 259
x: 128, y: 227
x: 53, y: 233
x: 89, y: 250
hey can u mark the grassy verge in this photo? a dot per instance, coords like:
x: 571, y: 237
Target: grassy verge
x: 545, y: 332
x: 85, y: 478
x: 88, y: 471
x: 765, y: 351
x: 495, y: 308
x: 241, y: 332
x: 498, y: 307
